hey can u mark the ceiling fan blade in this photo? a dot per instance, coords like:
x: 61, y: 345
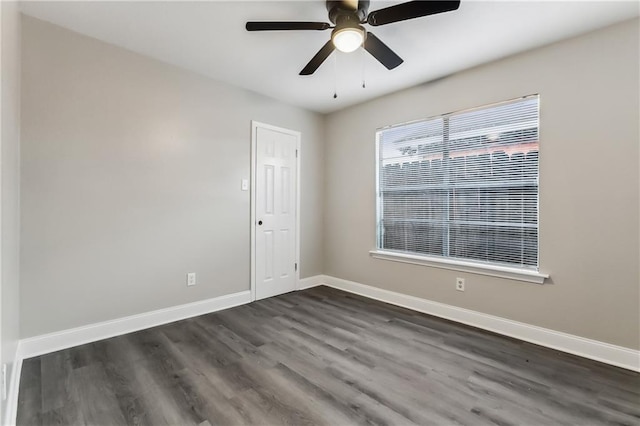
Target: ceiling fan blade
x: 410, y: 10
x: 381, y: 52
x: 285, y: 26
x: 318, y: 59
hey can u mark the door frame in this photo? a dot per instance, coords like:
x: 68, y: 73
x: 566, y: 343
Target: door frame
x: 254, y: 163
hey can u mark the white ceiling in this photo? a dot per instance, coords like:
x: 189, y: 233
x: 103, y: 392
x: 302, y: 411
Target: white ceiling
x: 209, y: 38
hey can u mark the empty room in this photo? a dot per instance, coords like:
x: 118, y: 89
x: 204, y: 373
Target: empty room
x: 320, y: 212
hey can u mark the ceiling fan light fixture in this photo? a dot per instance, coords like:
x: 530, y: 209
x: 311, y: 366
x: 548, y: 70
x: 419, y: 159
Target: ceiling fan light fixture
x: 348, y: 34
x: 348, y: 39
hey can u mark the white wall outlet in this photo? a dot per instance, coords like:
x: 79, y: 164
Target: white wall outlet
x: 191, y: 278
x: 245, y: 184
x: 4, y: 381
x: 460, y: 284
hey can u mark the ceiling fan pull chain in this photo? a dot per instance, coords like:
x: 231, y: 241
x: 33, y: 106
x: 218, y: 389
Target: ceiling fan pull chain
x: 335, y: 76
x: 364, y: 86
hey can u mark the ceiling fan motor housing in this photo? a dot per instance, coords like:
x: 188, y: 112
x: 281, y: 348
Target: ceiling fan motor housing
x: 341, y: 14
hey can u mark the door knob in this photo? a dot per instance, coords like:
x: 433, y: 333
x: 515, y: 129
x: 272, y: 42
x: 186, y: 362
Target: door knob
x: 259, y: 222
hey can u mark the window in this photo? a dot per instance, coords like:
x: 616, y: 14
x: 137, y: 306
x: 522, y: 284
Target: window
x: 462, y: 186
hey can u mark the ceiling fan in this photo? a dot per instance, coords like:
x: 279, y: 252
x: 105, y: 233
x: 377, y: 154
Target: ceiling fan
x: 348, y: 34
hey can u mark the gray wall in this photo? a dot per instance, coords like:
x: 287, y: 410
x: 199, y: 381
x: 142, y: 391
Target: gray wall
x: 589, y: 187
x: 131, y: 173
x: 10, y: 189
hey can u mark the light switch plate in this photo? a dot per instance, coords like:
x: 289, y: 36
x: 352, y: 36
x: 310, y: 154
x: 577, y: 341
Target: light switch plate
x: 245, y: 184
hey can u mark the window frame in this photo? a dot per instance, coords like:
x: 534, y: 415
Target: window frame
x: 527, y: 274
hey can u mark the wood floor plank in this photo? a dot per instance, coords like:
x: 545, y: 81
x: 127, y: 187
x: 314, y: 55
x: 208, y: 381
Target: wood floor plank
x: 96, y: 401
x: 321, y: 356
x: 55, y: 375
x: 30, y: 392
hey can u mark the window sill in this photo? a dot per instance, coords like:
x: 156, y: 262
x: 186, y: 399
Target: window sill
x: 458, y: 265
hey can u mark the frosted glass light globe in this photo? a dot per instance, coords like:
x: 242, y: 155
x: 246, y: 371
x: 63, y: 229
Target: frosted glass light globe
x: 348, y: 39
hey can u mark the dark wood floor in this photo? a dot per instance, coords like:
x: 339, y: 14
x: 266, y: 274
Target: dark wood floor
x: 321, y: 356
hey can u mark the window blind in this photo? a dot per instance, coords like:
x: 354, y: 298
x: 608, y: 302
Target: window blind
x: 462, y: 185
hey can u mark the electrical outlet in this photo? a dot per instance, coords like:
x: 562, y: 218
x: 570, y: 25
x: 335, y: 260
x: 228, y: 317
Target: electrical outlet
x: 4, y: 381
x: 460, y: 284
x: 191, y: 279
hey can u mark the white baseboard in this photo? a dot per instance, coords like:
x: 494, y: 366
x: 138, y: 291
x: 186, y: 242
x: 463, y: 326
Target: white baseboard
x: 309, y: 282
x: 52, y: 342
x: 587, y: 348
x: 14, y: 384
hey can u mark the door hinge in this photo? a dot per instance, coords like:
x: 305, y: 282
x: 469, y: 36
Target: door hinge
x: 296, y: 153
x: 296, y: 266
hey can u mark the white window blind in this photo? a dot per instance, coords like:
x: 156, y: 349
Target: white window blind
x: 463, y: 185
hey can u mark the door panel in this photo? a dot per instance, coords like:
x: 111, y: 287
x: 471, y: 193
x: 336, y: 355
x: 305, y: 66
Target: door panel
x: 275, y: 253
x: 268, y: 189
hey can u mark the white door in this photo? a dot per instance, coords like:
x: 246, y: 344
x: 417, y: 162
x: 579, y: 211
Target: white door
x: 275, y: 210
